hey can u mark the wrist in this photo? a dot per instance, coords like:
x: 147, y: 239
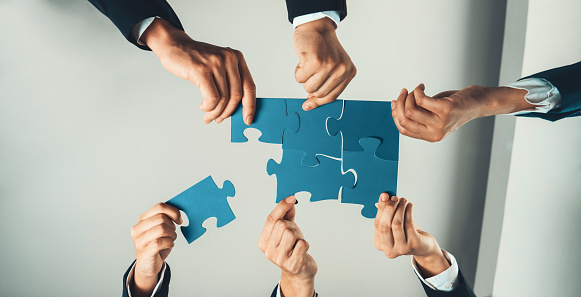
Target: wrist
x: 143, y: 284
x: 433, y: 263
x: 504, y: 100
x: 296, y: 286
x: 160, y: 34
x: 323, y: 25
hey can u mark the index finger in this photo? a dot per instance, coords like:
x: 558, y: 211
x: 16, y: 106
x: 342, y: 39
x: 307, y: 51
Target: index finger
x: 248, y: 92
x: 278, y: 213
x: 169, y: 210
x: 209, y: 92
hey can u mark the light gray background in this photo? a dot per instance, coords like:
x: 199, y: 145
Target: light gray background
x: 93, y: 132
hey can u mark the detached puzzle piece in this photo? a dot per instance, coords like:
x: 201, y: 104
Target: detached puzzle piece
x: 202, y: 201
x: 271, y: 119
x: 374, y: 176
x: 362, y: 119
x: 323, y: 181
x: 312, y: 137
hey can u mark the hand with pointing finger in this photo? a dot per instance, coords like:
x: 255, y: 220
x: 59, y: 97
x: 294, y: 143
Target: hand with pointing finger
x: 221, y: 73
x: 282, y: 242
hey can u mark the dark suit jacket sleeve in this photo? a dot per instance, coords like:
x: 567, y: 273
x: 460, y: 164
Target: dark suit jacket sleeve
x: 126, y: 13
x: 162, y: 291
x: 276, y: 289
x: 462, y: 289
x: 297, y: 8
x: 567, y: 80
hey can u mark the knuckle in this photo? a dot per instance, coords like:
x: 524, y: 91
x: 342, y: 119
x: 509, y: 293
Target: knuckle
x: 404, y: 122
x: 410, y: 113
x: 383, y: 227
x: 391, y: 254
x: 250, y: 86
x: 397, y: 224
x: 289, y: 233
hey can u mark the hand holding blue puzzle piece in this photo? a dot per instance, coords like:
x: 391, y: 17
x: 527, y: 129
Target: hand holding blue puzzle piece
x: 202, y: 201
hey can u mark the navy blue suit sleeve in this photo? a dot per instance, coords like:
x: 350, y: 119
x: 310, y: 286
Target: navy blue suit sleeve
x: 462, y: 289
x: 297, y: 8
x: 162, y: 291
x: 567, y: 80
x: 126, y: 13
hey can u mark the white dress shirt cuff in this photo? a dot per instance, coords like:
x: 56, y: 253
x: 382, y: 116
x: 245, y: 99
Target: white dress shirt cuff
x: 139, y: 28
x: 541, y: 93
x: 446, y: 281
x: 332, y: 14
x: 130, y: 280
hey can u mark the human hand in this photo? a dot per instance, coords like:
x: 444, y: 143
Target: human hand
x: 324, y: 68
x: 397, y: 234
x: 153, y: 237
x: 282, y: 242
x: 433, y: 118
x: 221, y: 73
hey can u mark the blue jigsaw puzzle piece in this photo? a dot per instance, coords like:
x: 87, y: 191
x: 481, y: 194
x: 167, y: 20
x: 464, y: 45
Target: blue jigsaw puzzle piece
x: 362, y: 119
x: 374, y: 176
x: 323, y: 181
x: 271, y: 119
x: 312, y: 136
x: 202, y: 201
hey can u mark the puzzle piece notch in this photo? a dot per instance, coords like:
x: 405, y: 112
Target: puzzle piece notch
x: 374, y: 176
x: 323, y: 181
x: 361, y: 119
x: 271, y: 119
x: 312, y: 137
x: 202, y: 201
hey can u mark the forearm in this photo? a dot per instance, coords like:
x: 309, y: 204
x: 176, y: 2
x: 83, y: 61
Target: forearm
x: 295, y: 287
x: 503, y: 100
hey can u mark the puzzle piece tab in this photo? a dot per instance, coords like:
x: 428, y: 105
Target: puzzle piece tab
x: 271, y: 119
x: 202, y: 201
x: 312, y: 137
x: 362, y: 119
x: 374, y: 176
x: 323, y: 181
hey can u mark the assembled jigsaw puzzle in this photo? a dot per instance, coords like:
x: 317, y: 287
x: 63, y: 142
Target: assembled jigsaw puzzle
x: 202, y: 201
x: 345, y: 148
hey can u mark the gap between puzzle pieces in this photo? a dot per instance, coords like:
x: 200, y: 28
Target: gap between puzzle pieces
x: 361, y: 119
x: 271, y: 119
x: 202, y: 201
x: 323, y: 181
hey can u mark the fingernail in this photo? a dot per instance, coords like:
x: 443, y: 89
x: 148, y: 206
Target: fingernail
x: 219, y: 120
x: 307, y: 106
x: 202, y: 105
x: 394, y: 198
x: 290, y: 199
x: 392, y: 104
x: 383, y: 198
x: 248, y: 119
x: 402, y: 91
x: 181, y: 221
